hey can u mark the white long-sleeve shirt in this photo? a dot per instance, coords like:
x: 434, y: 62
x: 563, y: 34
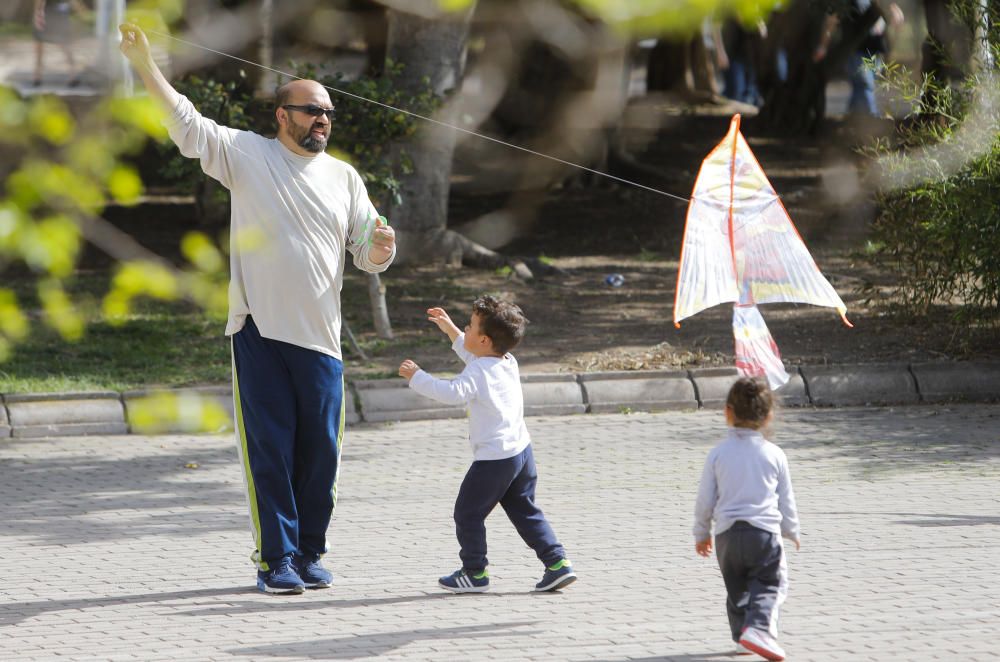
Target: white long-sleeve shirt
x: 491, y: 387
x: 746, y: 478
x: 292, y: 219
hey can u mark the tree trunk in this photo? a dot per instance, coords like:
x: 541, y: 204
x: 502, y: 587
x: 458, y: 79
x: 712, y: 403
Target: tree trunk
x: 380, y: 311
x: 431, y: 48
x: 684, y: 67
x: 983, y: 49
x: 265, y: 49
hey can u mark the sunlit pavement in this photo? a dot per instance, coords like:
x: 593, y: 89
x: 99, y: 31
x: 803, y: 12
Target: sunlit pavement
x: 134, y: 547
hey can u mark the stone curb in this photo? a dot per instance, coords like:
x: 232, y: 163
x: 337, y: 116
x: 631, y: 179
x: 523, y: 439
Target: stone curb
x: 4, y: 420
x: 374, y: 401
x: 888, y: 384
x: 66, y: 414
x: 973, y: 381
x: 655, y: 390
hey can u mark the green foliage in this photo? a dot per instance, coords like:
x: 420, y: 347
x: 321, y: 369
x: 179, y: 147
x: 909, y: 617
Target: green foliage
x: 364, y: 133
x: 61, y: 171
x: 658, y: 17
x: 186, y: 412
x: 939, y: 230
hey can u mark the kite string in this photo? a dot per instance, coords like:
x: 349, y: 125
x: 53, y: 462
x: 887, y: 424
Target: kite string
x: 429, y: 119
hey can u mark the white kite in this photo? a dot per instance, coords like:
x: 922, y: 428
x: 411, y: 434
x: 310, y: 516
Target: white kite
x: 740, y: 245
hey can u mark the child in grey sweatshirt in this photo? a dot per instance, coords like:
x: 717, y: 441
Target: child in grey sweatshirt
x: 746, y: 488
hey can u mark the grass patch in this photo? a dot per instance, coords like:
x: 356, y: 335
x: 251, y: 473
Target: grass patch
x: 172, y: 344
x: 159, y: 344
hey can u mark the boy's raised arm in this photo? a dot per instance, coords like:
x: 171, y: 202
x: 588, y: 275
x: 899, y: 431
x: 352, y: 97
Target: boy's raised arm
x: 440, y: 317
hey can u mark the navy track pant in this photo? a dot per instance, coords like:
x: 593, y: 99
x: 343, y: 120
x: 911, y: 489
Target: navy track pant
x: 290, y: 425
x: 511, y: 483
x: 752, y: 562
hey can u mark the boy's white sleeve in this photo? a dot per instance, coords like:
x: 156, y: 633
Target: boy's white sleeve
x: 457, y: 391
x: 708, y: 495
x: 361, y: 225
x: 786, y: 501
x: 458, y: 346
x: 198, y: 137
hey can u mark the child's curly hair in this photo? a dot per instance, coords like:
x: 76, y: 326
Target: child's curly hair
x: 501, y: 321
x: 751, y: 401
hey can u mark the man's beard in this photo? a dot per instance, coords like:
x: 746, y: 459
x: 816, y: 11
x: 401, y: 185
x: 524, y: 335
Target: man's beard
x: 308, y: 141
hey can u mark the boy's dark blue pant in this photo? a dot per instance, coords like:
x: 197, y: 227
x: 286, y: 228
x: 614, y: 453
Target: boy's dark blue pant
x: 752, y: 562
x: 511, y: 483
x: 290, y: 425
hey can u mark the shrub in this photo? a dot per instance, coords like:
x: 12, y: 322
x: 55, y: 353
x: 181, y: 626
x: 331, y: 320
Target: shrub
x: 937, y: 226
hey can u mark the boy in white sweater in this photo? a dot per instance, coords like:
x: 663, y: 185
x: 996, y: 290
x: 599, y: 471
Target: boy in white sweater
x: 747, y: 489
x: 503, y: 471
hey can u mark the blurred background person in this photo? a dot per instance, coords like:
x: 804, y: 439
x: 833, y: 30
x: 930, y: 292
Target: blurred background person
x: 53, y: 24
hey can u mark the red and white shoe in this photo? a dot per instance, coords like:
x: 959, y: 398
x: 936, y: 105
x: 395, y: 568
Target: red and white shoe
x: 763, y: 644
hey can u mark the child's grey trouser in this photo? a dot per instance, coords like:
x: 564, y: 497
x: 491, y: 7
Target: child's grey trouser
x: 752, y: 562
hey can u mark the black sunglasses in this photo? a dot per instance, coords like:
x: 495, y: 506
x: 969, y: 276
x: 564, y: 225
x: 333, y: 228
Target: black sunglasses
x: 312, y: 109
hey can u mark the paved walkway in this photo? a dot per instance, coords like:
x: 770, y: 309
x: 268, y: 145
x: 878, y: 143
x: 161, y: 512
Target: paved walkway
x: 136, y: 548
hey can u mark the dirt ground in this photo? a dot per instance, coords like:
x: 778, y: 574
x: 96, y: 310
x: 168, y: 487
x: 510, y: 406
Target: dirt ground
x: 588, y: 231
x: 592, y: 228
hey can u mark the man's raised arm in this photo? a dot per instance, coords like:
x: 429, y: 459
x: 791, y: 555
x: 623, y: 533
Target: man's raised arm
x: 196, y: 137
x: 135, y: 47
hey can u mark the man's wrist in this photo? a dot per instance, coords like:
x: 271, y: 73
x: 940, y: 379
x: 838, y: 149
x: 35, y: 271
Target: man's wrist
x: 379, y: 255
x: 146, y: 65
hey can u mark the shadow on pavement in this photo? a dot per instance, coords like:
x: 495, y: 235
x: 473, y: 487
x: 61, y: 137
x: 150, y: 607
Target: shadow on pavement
x: 15, y: 612
x: 38, y: 496
x: 898, y: 439
x: 946, y: 520
x: 370, y: 645
x: 284, y: 603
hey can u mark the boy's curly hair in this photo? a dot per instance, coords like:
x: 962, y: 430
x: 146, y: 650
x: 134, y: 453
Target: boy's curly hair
x: 501, y: 321
x: 751, y: 400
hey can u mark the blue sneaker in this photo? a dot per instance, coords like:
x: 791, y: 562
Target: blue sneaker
x: 557, y: 576
x: 312, y: 572
x: 281, y: 578
x: 463, y: 581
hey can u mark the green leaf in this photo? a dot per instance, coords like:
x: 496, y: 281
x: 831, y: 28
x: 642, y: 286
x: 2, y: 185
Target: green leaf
x: 13, y: 322
x: 50, y: 120
x: 59, y: 311
x: 455, y: 5
x: 202, y: 253
x: 125, y: 185
x: 187, y: 412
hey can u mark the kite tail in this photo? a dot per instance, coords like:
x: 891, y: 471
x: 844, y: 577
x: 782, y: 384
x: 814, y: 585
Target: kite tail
x: 757, y: 354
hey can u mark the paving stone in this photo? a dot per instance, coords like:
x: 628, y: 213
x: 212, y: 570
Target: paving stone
x: 973, y: 381
x: 920, y: 481
x: 614, y: 392
x: 843, y: 386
